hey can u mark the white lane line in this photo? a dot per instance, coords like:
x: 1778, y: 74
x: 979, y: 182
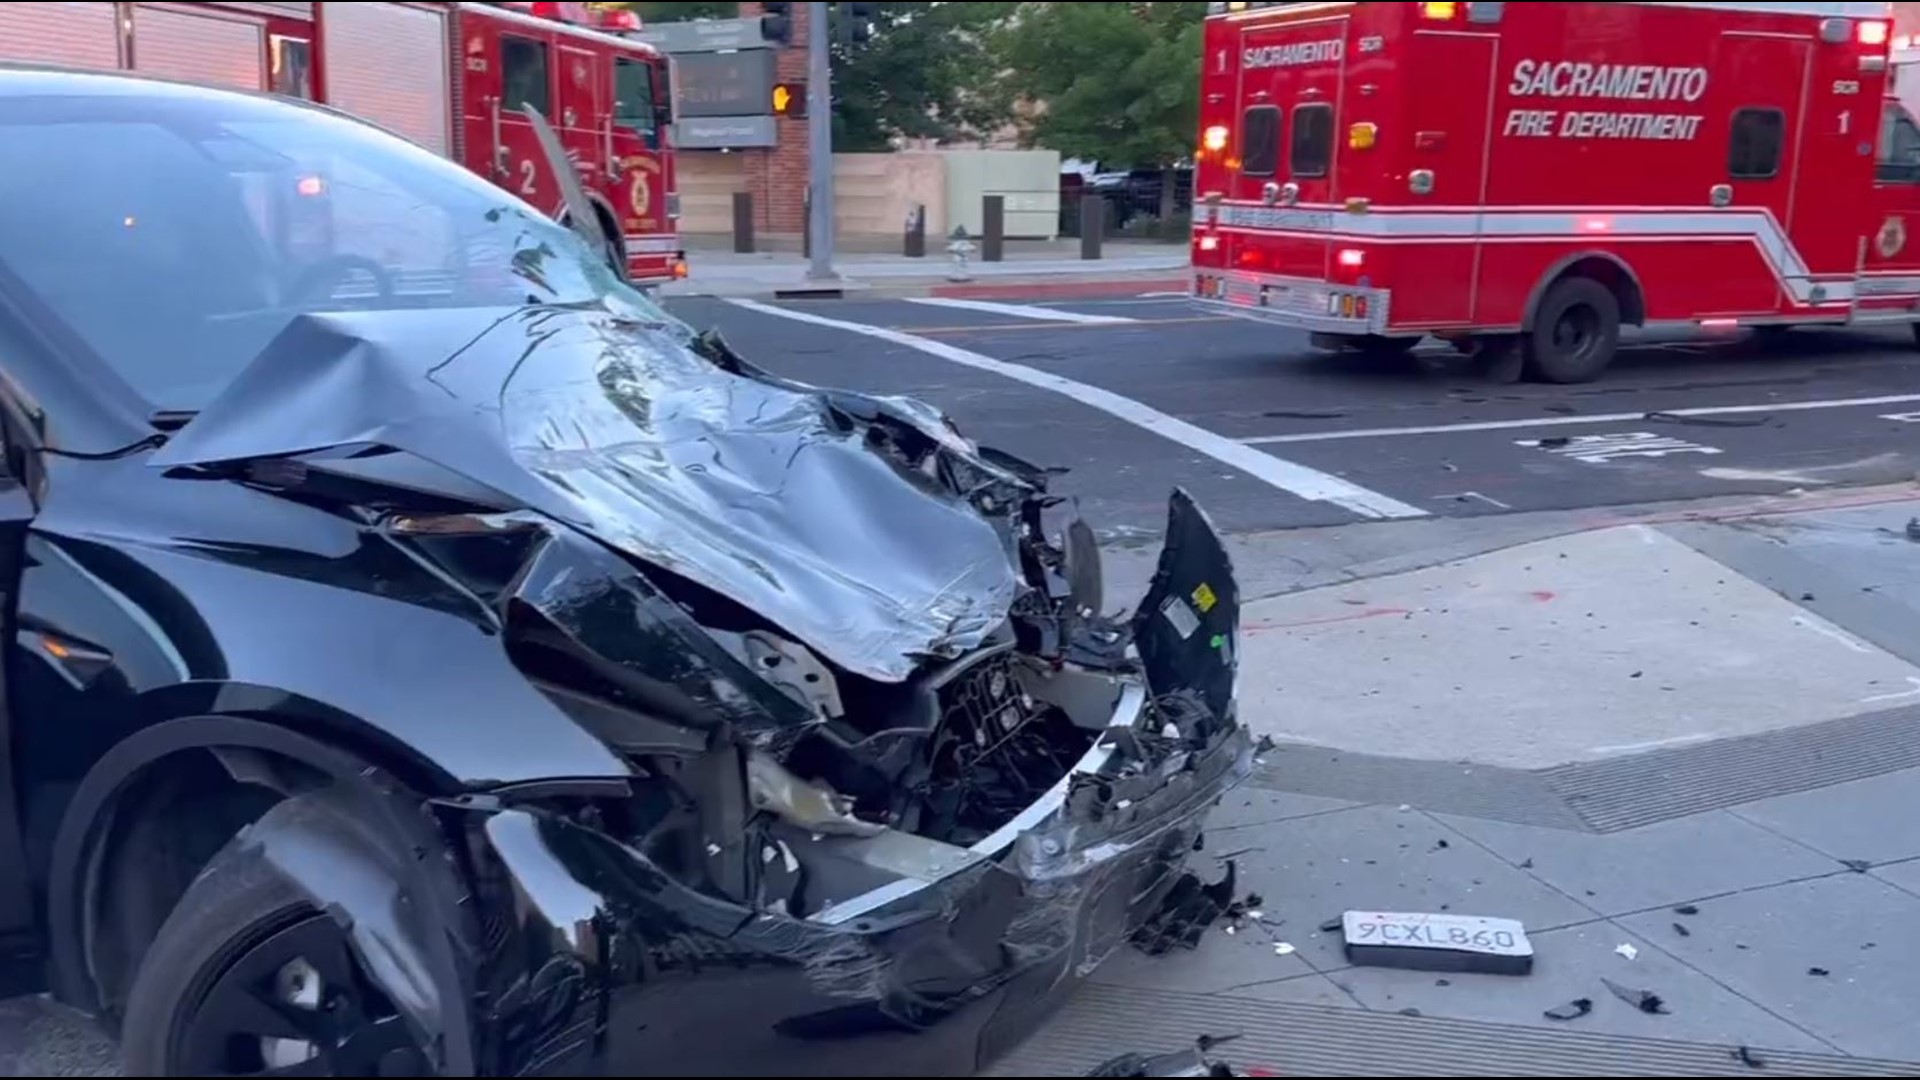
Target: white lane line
x: 1020, y: 311
x: 1575, y: 421
x: 1310, y: 484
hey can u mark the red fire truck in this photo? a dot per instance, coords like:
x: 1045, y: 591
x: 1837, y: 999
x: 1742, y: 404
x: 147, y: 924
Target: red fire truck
x: 1524, y: 178
x: 452, y: 77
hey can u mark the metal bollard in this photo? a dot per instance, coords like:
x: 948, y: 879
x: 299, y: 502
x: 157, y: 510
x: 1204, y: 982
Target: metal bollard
x: 743, y: 223
x: 1093, y: 225
x: 916, y: 239
x: 960, y: 247
x: 993, y: 220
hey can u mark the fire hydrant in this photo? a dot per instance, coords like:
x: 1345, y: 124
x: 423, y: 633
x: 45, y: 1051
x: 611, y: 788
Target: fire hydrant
x: 960, y: 248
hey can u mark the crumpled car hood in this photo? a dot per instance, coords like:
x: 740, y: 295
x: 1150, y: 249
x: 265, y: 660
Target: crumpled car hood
x: 775, y: 495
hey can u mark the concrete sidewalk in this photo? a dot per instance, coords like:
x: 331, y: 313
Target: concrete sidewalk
x: 726, y: 274
x: 1684, y: 750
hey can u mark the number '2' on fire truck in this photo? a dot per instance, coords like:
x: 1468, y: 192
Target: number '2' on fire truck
x: 1534, y: 175
x: 452, y: 77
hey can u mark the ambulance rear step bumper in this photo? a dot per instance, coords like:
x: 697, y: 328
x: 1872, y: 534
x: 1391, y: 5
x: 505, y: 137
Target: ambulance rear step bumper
x: 1300, y: 303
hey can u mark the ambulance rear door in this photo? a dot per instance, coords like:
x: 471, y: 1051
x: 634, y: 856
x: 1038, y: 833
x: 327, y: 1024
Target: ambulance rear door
x: 1290, y: 86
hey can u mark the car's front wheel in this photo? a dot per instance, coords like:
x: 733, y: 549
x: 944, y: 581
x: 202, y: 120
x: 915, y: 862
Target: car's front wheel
x: 248, y: 978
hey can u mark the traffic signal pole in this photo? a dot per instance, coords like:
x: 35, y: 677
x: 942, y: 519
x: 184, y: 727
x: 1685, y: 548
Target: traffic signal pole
x: 820, y: 144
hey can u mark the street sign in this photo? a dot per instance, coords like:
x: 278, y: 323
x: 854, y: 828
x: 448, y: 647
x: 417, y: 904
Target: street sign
x: 724, y: 132
x: 723, y: 84
x: 705, y: 35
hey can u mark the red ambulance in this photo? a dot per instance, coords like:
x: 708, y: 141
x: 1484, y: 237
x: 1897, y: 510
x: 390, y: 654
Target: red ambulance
x: 1523, y: 179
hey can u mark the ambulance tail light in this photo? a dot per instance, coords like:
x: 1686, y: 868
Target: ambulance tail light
x: 1351, y: 258
x: 1439, y: 12
x: 1871, y: 32
x: 1214, y: 141
x: 1363, y: 135
x: 1210, y: 243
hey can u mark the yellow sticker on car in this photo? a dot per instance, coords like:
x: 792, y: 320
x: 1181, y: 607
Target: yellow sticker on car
x: 1204, y: 599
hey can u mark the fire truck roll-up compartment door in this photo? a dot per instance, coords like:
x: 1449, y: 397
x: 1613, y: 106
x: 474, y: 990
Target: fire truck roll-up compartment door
x: 1290, y: 87
x: 82, y: 35
x: 212, y: 47
x: 389, y: 63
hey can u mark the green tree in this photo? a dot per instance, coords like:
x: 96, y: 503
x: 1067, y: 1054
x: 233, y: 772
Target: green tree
x: 1117, y: 83
x: 681, y: 12
x: 926, y: 73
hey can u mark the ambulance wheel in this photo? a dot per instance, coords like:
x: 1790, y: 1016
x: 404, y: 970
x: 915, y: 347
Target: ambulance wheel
x: 1574, y: 333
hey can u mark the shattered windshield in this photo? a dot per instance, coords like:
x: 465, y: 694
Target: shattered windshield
x: 244, y: 214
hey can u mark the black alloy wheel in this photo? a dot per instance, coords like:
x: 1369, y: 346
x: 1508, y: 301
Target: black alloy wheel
x: 247, y: 978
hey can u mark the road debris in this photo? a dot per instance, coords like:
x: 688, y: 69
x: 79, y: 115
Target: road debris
x: 1184, y: 916
x: 1645, y: 1000
x: 1437, y: 942
x: 1196, y: 1060
x: 1627, y: 951
x: 1709, y: 421
x: 1913, y: 529
x: 1745, y: 1056
x: 1819, y: 972
x: 1682, y: 930
x: 1572, y: 1010
x: 1283, y: 948
x: 1686, y: 909
x: 1331, y: 926
x: 1415, y: 1013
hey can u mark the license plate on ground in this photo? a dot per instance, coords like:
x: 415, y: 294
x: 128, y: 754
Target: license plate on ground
x: 1429, y: 940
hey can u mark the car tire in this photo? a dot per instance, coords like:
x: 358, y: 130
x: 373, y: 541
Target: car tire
x: 221, y: 938
x: 1575, y: 332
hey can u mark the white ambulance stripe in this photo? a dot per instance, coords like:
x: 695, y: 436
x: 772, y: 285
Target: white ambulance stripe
x: 1018, y: 311
x: 1756, y: 225
x: 1291, y: 477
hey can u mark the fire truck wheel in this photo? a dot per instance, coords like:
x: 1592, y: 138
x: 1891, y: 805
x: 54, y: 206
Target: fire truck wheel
x: 1574, y: 332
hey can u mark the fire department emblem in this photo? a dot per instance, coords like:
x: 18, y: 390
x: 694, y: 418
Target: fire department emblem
x: 639, y: 199
x: 1892, y: 238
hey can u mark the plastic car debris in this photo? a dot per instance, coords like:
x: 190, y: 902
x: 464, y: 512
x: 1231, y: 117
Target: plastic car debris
x: 1186, y: 913
x: 1645, y: 1000
x: 1572, y: 1010
x: 1193, y: 1061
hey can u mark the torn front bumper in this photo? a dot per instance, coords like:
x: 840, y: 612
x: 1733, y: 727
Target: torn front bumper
x: 613, y: 965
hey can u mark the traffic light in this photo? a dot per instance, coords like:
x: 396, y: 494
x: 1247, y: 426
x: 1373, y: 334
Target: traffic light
x: 790, y: 100
x: 776, y: 24
x: 855, y: 22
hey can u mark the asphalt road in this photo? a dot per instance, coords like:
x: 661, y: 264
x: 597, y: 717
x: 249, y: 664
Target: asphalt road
x: 1134, y: 396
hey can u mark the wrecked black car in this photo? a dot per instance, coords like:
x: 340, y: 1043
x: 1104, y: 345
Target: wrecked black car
x: 427, y: 656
